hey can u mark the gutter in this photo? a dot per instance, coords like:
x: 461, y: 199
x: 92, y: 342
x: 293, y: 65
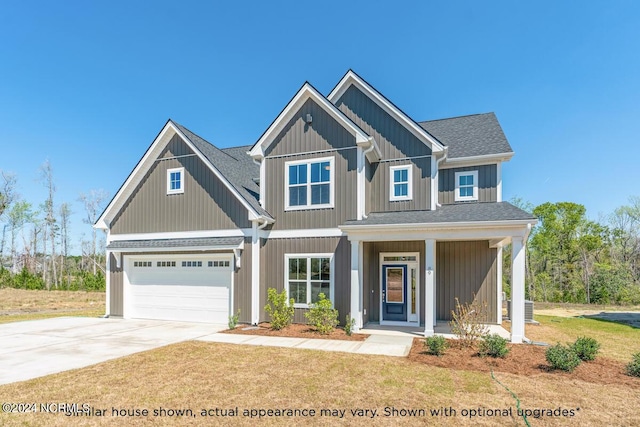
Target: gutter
x: 444, y: 156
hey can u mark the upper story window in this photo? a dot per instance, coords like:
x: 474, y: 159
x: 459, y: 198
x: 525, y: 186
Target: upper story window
x: 309, y: 183
x: 400, y: 183
x: 466, y: 186
x: 175, y: 180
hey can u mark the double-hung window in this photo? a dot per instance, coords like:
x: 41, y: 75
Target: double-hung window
x: 175, y: 181
x: 309, y: 183
x: 307, y: 277
x: 466, y: 186
x: 400, y: 183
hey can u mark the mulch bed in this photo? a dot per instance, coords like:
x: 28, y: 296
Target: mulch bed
x: 523, y: 359
x: 295, y: 330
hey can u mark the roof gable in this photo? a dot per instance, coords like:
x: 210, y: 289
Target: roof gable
x: 307, y: 91
x: 352, y: 79
x: 223, y: 165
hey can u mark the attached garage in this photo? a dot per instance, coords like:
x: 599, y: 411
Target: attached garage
x: 188, y: 288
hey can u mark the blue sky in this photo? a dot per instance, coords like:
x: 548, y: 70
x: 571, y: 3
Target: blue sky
x: 88, y: 85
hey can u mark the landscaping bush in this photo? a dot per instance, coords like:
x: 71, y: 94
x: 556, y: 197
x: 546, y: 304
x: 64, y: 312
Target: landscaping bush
x: 233, y: 320
x: 633, y: 368
x: 586, y: 348
x: 279, y: 308
x: 494, y: 345
x: 348, y: 324
x: 436, y: 345
x: 322, y: 315
x: 562, y: 357
x: 469, y: 322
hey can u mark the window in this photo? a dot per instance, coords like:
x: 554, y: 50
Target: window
x: 142, y: 263
x: 308, y: 276
x: 400, y: 183
x: 309, y: 184
x: 466, y: 186
x: 175, y: 181
x: 192, y: 263
x: 218, y: 264
x: 165, y: 264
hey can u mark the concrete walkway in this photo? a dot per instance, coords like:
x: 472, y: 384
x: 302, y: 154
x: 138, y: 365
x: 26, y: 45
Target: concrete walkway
x: 386, y: 345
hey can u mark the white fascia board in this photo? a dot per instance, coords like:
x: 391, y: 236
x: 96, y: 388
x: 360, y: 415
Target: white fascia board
x: 352, y: 78
x: 460, y: 234
x: 181, y: 249
x: 381, y: 228
x: 302, y: 233
x: 486, y: 159
x: 306, y: 92
x: 239, y: 232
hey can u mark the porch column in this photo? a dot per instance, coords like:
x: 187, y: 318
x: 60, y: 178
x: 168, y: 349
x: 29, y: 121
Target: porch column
x: 356, y: 284
x: 255, y: 274
x: 429, y: 287
x: 499, y: 284
x: 517, y: 289
x: 107, y: 310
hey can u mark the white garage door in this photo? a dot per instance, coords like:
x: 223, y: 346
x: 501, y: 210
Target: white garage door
x: 178, y: 287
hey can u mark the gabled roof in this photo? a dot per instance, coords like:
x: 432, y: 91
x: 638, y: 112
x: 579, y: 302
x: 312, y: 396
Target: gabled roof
x: 351, y: 78
x: 226, y: 167
x: 470, y: 136
x: 307, y: 91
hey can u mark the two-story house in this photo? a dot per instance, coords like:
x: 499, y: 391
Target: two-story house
x: 343, y: 194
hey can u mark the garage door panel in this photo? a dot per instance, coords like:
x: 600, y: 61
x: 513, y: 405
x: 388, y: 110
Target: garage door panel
x: 192, y: 294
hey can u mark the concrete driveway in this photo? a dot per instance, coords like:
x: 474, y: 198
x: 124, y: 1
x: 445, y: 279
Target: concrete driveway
x: 36, y: 348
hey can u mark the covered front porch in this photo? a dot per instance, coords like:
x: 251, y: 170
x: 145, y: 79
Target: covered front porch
x: 409, y: 274
x: 441, y: 328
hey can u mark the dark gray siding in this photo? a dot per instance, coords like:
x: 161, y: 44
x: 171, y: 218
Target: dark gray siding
x: 487, y: 183
x: 116, y: 296
x: 394, y: 140
x: 380, y: 186
x: 272, y: 269
x: 206, y: 203
x: 241, y: 282
x: 371, y: 274
x: 465, y: 269
x: 345, y: 190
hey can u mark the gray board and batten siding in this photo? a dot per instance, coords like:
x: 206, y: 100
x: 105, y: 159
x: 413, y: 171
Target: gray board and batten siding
x: 241, y: 282
x: 487, y: 183
x: 273, y: 272
x: 398, y: 147
x: 300, y: 140
x: 206, y: 204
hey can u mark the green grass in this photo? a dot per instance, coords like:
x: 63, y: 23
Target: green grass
x: 618, y: 341
x: 48, y: 315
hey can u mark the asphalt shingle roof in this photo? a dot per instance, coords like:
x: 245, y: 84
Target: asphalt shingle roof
x: 235, y: 166
x: 464, y: 212
x: 475, y: 135
x: 175, y: 243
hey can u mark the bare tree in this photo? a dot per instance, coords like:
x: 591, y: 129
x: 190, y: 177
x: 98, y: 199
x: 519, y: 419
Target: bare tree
x: 64, y: 214
x: 93, y: 203
x: 46, y: 174
x: 18, y: 215
x: 7, y: 196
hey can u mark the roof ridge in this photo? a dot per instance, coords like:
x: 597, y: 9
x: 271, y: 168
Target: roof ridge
x: 204, y: 140
x: 456, y: 117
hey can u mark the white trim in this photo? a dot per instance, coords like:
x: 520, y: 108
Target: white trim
x: 309, y: 184
x: 499, y: 181
x: 306, y: 92
x: 430, y: 227
x: 499, y: 284
x: 356, y: 284
x: 430, y: 287
x: 351, y: 78
x: 308, y: 256
x: 179, y: 190
x: 239, y: 232
x: 181, y: 249
x: 433, y: 202
x: 487, y: 159
x: 300, y: 233
x: 360, y: 185
x: 107, y: 309
x: 255, y: 274
x: 311, y: 153
x: 457, y: 196
x: 401, y: 159
x: 518, y: 251
x: 410, y: 264
x: 392, y: 183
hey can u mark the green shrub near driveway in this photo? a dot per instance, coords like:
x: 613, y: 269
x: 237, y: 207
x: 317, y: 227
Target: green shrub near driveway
x: 436, y: 345
x: 279, y: 308
x: 633, y: 368
x: 562, y: 357
x: 586, y: 348
x: 494, y: 345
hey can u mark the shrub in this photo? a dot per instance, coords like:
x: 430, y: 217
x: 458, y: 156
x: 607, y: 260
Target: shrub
x: 562, y: 357
x: 586, y: 348
x: 279, y: 308
x: 494, y: 345
x: 633, y: 368
x: 322, y: 315
x: 348, y: 324
x: 233, y: 320
x: 469, y: 322
x: 436, y: 345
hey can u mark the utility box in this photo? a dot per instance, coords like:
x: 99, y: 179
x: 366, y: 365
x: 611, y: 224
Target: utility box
x: 528, y: 311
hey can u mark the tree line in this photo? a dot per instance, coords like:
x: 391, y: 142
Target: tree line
x: 571, y: 258
x: 35, y: 241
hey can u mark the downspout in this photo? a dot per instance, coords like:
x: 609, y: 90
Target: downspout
x: 444, y: 156
x: 364, y: 155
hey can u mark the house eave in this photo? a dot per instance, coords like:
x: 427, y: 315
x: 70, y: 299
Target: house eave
x: 351, y: 228
x: 457, y: 162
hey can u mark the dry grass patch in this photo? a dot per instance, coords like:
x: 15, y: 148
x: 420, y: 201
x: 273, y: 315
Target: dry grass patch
x: 198, y: 375
x: 20, y: 301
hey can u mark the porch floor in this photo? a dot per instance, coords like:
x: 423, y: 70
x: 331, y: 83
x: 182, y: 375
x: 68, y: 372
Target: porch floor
x: 441, y: 328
